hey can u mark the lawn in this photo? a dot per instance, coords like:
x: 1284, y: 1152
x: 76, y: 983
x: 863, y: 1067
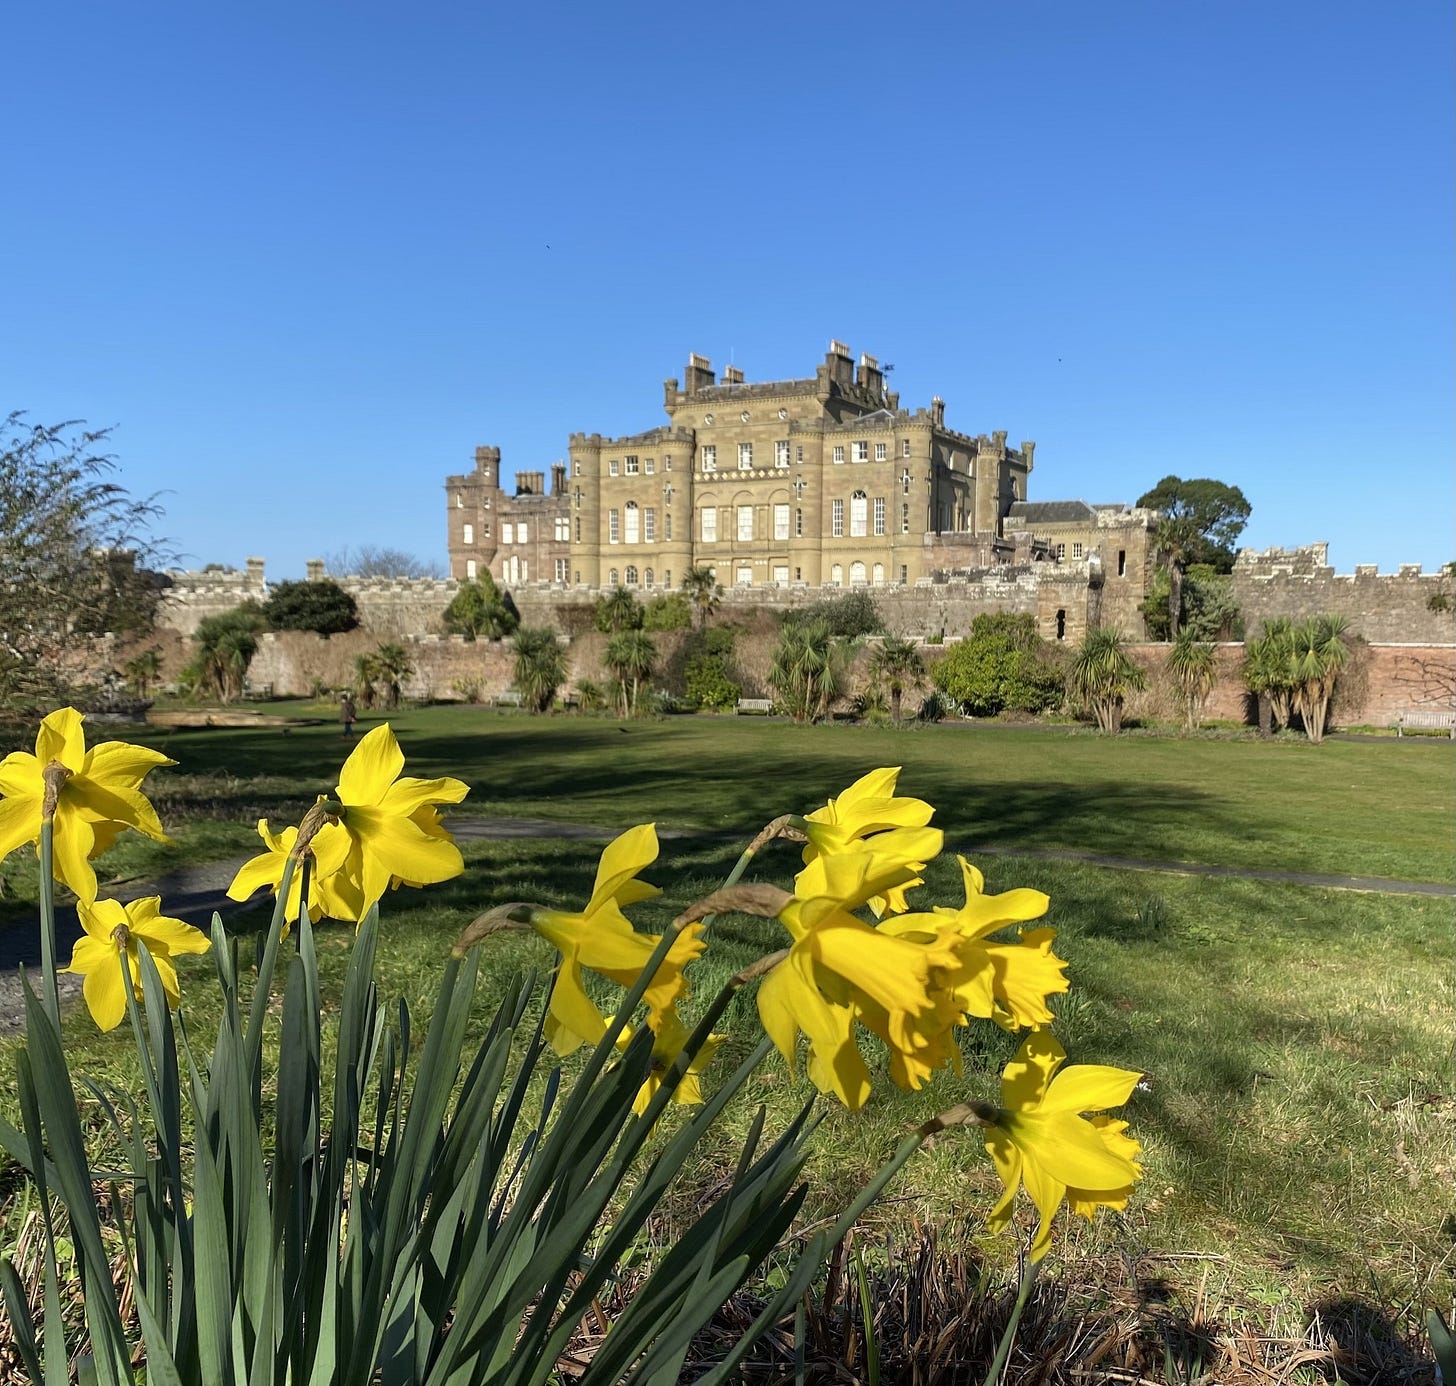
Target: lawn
x: 1297, y: 1039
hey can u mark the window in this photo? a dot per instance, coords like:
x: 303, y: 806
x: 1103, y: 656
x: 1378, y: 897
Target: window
x: 470, y: 569
x: 905, y: 448
x: 799, y: 453
x: 745, y: 456
x: 577, y: 577
x: 486, y: 503
x: 467, y: 535
x: 710, y: 525
x: 837, y: 523
x: 798, y: 575
x: 905, y: 482
x: 745, y: 576
x: 634, y: 524
x: 631, y: 575
x: 858, y: 515
x: 781, y: 521
x: 667, y: 524
x: 879, y: 514
x: 508, y: 532
x: 614, y: 526
x: 576, y: 466
x: 576, y: 499
x: 1061, y: 552
x: 1061, y: 623
x: 563, y: 529
x: 647, y: 577
x: 667, y: 462
x: 856, y: 574
x: 521, y: 532
x: 459, y: 501
x: 781, y: 575
x: 578, y: 529
x: 904, y: 519
x: 667, y: 577
x: 745, y: 523
x: 611, y: 577
x: 485, y: 529
x: 781, y: 453
x: 633, y: 467
x: 648, y: 466
x: 879, y: 452
x: 877, y: 575
x: 1122, y: 562
x: 710, y: 458
x: 836, y: 576
x: 560, y: 570
x: 904, y: 571
x: 649, y: 525
x: 612, y: 467
x: 839, y: 455
x: 861, y: 452
x: 798, y: 523
x: 1076, y: 551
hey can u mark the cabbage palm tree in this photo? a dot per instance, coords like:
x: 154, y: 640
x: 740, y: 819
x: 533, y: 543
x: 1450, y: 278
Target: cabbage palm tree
x: 630, y: 655
x: 1102, y: 675
x: 897, y: 665
x: 805, y: 674
x: 1193, y: 666
x: 703, y: 591
x: 392, y: 666
x: 1268, y: 671
x: 1319, y: 653
x: 540, y: 666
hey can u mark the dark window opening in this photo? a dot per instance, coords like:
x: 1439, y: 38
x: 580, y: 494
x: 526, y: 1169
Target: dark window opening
x: 1061, y: 625
x: 1122, y: 562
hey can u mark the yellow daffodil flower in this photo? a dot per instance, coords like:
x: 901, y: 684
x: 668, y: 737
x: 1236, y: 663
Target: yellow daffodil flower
x: 266, y: 869
x: 100, y: 796
x: 113, y: 929
x: 669, y: 1035
x: 864, y: 811
x: 841, y: 970
x: 601, y: 939
x: 1041, y: 1138
x: 1005, y: 982
x: 390, y: 830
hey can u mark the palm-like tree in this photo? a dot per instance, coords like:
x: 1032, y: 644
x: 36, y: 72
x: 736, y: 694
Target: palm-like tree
x: 1193, y: 666
x: 540, y: 666
x: 142, y: 671
x: 1269, y: 673
x: 619, y: 610
x: 1102, y: 675
x: 1318, y: 653
x: 897, y: 665
x: 630, y: 655
x: 366, y: 672
x: 1176, y: 539
x: 392, y: 666
x: 703, y: 590
x: 805, y: 674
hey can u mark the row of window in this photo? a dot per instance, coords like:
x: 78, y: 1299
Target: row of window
x: 860, y: 452
x: 1076, y: 552
x: 859, y: 576
x: 631, y: 580
x: 860, y: 522
x: 641, y: 526
x: 632, y: 465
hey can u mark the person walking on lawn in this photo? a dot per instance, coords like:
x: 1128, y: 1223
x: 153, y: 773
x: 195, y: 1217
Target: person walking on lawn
x: 348, y: 713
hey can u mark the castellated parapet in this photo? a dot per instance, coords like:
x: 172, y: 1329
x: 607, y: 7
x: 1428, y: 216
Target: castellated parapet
x: 1382, y: 607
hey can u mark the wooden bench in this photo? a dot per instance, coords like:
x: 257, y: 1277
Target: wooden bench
x: 510, y: 698
x: 759, y: 705
x: 1427, y: 719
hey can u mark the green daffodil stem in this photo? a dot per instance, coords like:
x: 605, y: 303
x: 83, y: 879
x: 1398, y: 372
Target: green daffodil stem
x: 785, y: 826
x: 305, y: 880
x: 51, y: 988
x: 1003, y: 1350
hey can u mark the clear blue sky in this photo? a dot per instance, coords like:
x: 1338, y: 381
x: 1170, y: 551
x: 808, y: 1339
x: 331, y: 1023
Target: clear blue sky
x: 305, y: 257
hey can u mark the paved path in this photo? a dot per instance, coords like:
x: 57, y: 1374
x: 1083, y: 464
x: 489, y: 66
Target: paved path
x: 193, y: 893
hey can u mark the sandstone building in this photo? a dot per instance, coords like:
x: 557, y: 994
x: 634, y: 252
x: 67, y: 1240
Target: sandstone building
x: 823, y: 480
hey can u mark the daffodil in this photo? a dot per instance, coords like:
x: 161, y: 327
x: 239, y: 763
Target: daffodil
x: 600, y: 939
x: 266, y: 869
x: 390, y: 830
x: 1005, y: 982
x: 840, y: 970
x: 863, y: 812
x: 97, y: 796
x: 669, y: 1035
x: 113, y: 931
x: 1040, y: 1136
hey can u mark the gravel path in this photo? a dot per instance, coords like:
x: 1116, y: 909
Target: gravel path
x: 193, y: 893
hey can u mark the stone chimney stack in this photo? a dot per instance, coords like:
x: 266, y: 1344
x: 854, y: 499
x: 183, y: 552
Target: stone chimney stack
x: 558, y: 478
x: 699, y: 374
x: 840, y: 361
x: 315, y: 569
x: 732, y: 375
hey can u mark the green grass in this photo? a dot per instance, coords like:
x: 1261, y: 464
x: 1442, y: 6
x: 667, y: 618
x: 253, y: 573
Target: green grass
x: 1297, y: 1040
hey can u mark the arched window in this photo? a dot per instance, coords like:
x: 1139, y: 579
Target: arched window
x: 611, y: 577
x: 647, y: 578
x: 631, y: 575
x: 634, y: 523
x: 836, y: 576
x: 877, y: 574
x: 859, y: 515
x: 856, y: 574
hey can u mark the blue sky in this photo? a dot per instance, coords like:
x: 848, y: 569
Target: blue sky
x: 305, y: 257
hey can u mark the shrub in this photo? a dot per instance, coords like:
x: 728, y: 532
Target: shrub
x: 846, y: 618
x: 617, y: 611
x: 479, y: 610
x: 668, y: 611
x: 540, y: 666
x: 471, y: 688
x: 1002, y: 666
x: 321, y: 606
x: 226, y: 644
x: 708, y: 684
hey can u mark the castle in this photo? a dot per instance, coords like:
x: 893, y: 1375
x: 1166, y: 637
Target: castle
x: 822, y: 481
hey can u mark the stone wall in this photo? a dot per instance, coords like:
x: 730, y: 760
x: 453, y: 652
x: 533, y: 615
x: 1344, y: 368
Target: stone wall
x: 1383, y: 607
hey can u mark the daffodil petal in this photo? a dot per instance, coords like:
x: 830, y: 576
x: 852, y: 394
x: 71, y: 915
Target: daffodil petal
x: 19, y: 823
x: 60, y: 738
x: 105, y: 993
x: 1047, y: 1193
x: 776, y: 1013
x: 621, y: 860
x: 409, y: 795
x: 1007, y: 1159
x: 20, y: 778
x: 1089, y: 1088
x: 71, y: 844
x: 1024, y: 1080
x: 119, y: 760
x: 373, y: 765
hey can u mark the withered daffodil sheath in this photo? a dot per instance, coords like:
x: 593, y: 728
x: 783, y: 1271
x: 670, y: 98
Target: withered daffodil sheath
x: 389, y: 830
x: 114, y: 930
x: 601, y: 939
x: 1042, y: 1138
x: 97, y: 795
x: 866, y: 810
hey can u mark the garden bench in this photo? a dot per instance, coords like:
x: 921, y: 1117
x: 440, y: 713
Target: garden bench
x: 257, y: 690
x: 510, y: 698
x: 1427, y: 719
x: 763, y: 705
